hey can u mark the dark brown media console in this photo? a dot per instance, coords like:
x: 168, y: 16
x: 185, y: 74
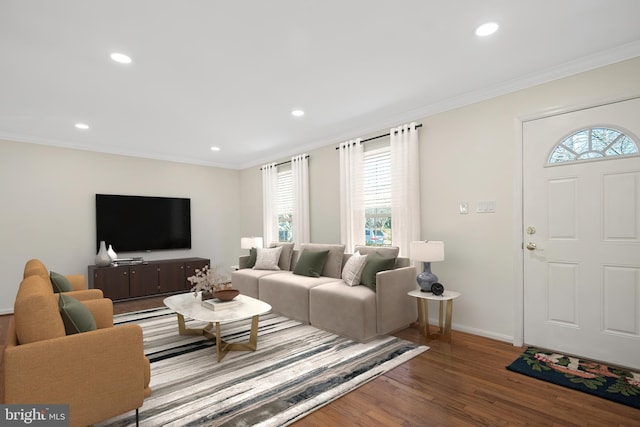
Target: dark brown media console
x: 145, y: 279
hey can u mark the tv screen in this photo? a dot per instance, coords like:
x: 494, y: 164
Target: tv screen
x: 141, y: 223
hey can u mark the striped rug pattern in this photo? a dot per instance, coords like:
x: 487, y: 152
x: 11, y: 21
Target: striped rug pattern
x: 296, y: 369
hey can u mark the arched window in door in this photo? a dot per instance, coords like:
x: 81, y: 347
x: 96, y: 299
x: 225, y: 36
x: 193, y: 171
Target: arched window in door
x: 592, y: 144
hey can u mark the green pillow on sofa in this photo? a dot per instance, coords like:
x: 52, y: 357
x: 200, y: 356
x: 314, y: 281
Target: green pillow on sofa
x: 311, y: 263
x: 60, y: 283
x: 375, y: 263
x: 75, y: 315
x: 253, y: 255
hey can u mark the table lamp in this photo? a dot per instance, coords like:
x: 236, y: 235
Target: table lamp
x: 427, y: 252
x: 250, y: 242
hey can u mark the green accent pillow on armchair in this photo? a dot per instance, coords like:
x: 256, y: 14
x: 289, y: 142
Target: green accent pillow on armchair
x: 311, y: 263
x: 60, y: 283
x: 75, y: 315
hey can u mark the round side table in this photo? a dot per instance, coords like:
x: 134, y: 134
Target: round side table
x: 423, y: 298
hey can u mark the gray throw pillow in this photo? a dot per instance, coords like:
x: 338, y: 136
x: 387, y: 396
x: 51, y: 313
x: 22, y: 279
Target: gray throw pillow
x: 60, y: 283
x: 285, y: 256
x: 75, y: 315
x: 375, y: 263
x: 311, y: 263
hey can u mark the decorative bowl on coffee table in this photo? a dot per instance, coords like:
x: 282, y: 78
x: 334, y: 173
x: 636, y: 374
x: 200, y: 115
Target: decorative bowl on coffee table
x: 226, y: 294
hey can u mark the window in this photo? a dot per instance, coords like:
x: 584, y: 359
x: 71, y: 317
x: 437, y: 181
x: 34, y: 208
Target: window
x: 377, y: 196
x: 593, y: 144
x: 284, y: 205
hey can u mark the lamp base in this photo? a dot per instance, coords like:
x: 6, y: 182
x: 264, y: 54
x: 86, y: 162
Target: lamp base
x: 426, y: 278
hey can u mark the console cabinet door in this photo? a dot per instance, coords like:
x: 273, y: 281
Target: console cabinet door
x: 143, y: 280
x: 190, y: 268
x: 171, y: 276
x: 114, y: 282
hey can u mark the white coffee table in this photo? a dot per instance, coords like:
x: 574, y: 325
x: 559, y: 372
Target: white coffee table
x: 188, y: 305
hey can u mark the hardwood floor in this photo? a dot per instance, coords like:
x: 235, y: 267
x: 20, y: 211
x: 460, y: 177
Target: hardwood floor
x: 462, y: 383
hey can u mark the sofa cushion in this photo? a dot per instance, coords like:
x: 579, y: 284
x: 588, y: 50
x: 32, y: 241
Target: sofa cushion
x: 288, y: 293
x: 345, y: 310
x: 75, y: 315
x: 352, y: 270
x: 376, y: 262
x: 285, y: 256
x: 333, y: 266
x: 60, y: 283
x: 246, y: 280
x: 267, y: 258
x: 311, y: 262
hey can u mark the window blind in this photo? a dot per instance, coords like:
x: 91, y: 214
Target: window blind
x: 284, y: 203
x: 377, y: 178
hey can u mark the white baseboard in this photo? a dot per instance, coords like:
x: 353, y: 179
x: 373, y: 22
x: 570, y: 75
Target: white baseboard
x: 483, y: 333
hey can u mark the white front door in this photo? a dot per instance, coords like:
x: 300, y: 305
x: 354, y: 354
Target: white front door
x: 582, y: 240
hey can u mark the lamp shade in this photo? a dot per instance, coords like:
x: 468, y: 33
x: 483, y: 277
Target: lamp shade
x: 250, y: 242
x: 427, y: 251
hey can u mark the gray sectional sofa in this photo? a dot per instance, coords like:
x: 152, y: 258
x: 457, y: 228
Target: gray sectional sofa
x: 360, y: 312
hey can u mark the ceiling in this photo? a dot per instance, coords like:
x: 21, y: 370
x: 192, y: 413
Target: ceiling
x: 228, y: 73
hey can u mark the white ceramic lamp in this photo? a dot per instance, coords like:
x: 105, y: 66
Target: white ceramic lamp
x: 427, y: 252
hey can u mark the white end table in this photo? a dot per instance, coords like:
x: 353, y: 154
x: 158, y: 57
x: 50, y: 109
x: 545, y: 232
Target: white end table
x: 423, y: 298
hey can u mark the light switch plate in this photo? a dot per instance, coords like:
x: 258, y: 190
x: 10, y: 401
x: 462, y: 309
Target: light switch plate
x: 486, y: 206
x: 464, y: 208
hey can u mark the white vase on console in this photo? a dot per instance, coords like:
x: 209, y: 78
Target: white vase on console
x: 112, y: 253
x: 102, y: 257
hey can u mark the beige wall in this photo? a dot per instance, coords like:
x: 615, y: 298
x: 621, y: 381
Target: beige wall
x: 48, y: 207
x: 467, y: 154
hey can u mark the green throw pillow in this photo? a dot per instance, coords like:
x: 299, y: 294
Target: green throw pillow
x: 311, y: 263
x: 59, y: 282
x: 75, y: 315
x: 375, y: 263
x: 253, y: 255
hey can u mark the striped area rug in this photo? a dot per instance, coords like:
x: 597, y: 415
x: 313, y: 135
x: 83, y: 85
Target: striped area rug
x: 295, y: 370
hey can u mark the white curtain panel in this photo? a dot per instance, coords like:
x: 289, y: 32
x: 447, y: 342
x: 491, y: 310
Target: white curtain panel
x: 405, y: 187
x: 300, y: 176
x: 269, y: 192
x: 352, y: 215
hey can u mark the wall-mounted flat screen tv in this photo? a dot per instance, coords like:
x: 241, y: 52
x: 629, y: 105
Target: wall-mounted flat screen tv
x: 142, y: 223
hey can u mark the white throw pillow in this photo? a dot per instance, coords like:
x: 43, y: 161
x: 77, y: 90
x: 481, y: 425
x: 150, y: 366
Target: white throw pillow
x: 352, y: 269
x: 267, y: 258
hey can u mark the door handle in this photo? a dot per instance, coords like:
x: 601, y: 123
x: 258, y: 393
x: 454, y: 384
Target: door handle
x: 531, y: 246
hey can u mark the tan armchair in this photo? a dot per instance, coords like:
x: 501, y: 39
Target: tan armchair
x: 99, y: 374
x: 35, y: 267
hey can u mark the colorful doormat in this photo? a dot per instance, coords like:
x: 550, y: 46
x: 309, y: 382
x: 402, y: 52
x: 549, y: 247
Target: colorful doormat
x: 618, y: 385
x: 295, y: 370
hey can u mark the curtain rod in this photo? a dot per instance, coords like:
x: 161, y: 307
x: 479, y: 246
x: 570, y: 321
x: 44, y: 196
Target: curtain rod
x: 287, y: 161
x: 419, y: 125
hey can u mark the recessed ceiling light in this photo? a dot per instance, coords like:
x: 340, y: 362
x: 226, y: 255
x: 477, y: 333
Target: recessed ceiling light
x: 487, y: 29
x: 121, y: 58
x: 215, y: 148
x: 82, y: 126
x: 297, y: 113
